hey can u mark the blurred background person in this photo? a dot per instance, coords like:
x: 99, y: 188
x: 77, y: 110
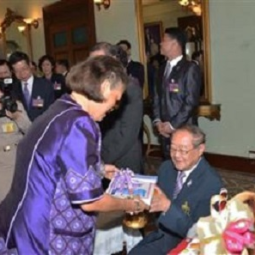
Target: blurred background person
x: 5, y: 69
x: 134, y: 68
x: 62, y: 67
x: 34, y: 68
x: 35, y: 93
x: 198, y: 58
x: 47, y: 66
x: 14, y: 123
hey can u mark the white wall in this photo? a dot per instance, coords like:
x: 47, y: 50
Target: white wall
x: 233, y: 75
x: 118, y: 22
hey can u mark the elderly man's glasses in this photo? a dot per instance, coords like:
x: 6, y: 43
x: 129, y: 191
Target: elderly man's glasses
x: 183, y: 152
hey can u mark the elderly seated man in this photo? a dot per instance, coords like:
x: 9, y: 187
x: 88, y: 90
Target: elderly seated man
x: 185, y: 186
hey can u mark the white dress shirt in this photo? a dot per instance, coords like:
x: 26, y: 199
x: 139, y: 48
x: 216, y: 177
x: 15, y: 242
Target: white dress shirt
x: 173, y: 63
x: 188, y: 172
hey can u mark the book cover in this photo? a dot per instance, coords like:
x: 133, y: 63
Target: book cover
x: 137, y: 185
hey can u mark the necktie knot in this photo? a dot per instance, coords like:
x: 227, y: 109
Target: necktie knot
x: 181, y: 176
x: 25, y: 88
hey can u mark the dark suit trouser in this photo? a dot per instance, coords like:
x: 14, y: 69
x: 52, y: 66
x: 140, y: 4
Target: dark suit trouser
x: 165, y: 145
x: 155, y: 243
x: 152, y: 248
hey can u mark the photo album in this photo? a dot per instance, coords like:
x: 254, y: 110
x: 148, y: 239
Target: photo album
x: 128, y: 186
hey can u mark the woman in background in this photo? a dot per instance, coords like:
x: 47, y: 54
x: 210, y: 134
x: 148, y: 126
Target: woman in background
x: 47, y: 66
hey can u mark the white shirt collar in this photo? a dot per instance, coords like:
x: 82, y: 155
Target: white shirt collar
x: 29, y: 82
x: 188, y: 172
x: 174, y: 61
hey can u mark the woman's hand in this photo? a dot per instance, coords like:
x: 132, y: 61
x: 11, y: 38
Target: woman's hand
x: 109, y: 171
x: 135, y: 205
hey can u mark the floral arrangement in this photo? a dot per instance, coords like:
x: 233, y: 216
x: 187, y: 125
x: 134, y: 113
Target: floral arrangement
x: 229, y: 230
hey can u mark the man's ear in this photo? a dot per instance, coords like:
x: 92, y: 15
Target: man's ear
x: 105, y: 88
x: 201, y: 149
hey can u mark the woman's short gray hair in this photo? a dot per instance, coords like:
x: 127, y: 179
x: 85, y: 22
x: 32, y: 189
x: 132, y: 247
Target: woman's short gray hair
x: 87, y: 77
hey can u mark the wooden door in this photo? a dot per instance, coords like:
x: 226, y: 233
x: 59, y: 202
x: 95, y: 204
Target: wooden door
x: 69, y: 27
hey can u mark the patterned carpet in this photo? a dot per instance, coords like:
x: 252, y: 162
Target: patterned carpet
x: 235, y: 182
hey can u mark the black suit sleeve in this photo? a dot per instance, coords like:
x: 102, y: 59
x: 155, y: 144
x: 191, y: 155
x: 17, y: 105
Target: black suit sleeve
x: 121, y: 136
x: 140, y: 74
x: 136, y: 70
x: 192, y: 86
x: 49, y: 94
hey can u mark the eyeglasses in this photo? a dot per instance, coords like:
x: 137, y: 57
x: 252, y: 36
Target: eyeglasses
x: 183, y: 152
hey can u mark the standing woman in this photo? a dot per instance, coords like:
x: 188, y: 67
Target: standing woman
x: 47, y: 66
x: 56, y: 189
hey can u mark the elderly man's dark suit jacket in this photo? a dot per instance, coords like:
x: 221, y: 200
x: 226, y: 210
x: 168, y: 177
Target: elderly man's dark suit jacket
x: 177, y: 98
x: 42, y: 89
x: 192, y: 203
x: 121, y: 144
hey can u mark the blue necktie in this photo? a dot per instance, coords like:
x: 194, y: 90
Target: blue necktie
x: 26, y: 94
x: 179, y: 183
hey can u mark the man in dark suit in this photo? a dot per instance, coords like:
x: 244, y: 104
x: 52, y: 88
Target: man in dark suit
x: 121, y: 144
x: 62, y: 67
x: 36, y: 94
x: 178, y: 88
x: 134, y: 68
x: 185, y: 187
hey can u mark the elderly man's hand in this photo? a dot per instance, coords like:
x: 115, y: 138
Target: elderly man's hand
x: 135, y: 205
x: 161, y: 129
x: 160, y: 202
x: 167, y: 129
